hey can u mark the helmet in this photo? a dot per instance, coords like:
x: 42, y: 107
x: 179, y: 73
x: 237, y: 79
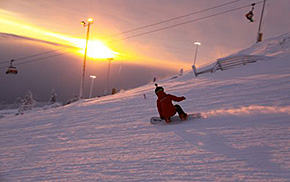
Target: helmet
x: 158, y: 89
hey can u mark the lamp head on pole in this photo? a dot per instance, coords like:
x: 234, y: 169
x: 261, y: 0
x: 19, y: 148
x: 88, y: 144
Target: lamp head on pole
x: 90, y: 21
x: 83, y: 23
x: 197, y: 43
x: 93, y: 76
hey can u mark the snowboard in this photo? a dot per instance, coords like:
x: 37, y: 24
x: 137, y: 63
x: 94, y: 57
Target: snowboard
x: 158, y: 120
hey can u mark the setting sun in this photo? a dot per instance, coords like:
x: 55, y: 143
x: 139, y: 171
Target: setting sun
x: 96, y: 49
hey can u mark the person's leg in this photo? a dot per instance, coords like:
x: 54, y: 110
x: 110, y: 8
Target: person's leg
x: 179, y: 110
x: 181, y: 113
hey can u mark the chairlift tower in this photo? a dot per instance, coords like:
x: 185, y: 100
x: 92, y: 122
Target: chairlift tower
x: 260, y: 34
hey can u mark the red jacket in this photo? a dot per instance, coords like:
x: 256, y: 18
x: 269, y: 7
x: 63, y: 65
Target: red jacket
x: 165, y: 106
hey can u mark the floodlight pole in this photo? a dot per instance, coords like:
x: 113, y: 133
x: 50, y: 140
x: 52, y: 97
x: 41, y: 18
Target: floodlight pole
x: 260, y: 35
x: 92, y: 84
x: 90, y: 21
x: 193, y: 66
x: 197, y: 44
x: 108, y: 74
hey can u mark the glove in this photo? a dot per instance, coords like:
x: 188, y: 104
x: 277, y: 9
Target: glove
x: 183, y: 98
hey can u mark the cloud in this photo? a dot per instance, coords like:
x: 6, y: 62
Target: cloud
x: 13, y: 36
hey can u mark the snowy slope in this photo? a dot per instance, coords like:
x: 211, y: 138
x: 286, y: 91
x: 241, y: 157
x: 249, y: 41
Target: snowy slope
x: 271, y: 47
x: 244, y: 135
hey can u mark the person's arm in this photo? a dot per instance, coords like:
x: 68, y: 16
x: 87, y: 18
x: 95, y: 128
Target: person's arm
x: 177, y: 99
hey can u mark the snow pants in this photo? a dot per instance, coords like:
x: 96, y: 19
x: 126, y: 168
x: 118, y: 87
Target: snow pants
x: 179, y: 110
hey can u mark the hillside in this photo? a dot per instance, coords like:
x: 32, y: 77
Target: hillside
x: 243, y: 135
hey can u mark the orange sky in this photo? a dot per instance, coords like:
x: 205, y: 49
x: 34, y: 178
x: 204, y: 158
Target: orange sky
x: 59, y: 22
x: 98, y: 48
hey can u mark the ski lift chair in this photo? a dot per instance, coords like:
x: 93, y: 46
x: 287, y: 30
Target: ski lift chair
x: 11, y: 69
x: 250, y: 14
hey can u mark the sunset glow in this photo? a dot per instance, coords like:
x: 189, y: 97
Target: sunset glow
x: 96, y: 49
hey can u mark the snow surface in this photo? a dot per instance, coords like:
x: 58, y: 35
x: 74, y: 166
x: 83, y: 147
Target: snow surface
x: 244, y: 134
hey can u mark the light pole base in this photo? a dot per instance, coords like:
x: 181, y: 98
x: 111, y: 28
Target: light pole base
x: 194, y: 70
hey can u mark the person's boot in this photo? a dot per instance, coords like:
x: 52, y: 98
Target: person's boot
x: 167, y: 120
x: 183, y: 117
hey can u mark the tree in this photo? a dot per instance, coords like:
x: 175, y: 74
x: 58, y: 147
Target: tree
x: 52, y: 98
x: 74, y: 99
x: 27, y: 103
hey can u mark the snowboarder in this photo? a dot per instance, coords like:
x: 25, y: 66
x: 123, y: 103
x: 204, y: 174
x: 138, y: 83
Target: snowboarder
x: 165, y: 106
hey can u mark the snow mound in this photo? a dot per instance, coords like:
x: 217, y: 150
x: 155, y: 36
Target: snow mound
x: 270, y: 47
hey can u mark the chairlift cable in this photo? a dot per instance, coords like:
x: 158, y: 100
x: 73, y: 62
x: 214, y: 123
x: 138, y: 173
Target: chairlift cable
x: 183, y: 23
x: 39, y: 59
x: 34, y: 60
x: 175, y: 18
x: 38, y: 54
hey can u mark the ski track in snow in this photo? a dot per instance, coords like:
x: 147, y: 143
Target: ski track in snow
x: 250, y: 110
x: 244, y: 134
